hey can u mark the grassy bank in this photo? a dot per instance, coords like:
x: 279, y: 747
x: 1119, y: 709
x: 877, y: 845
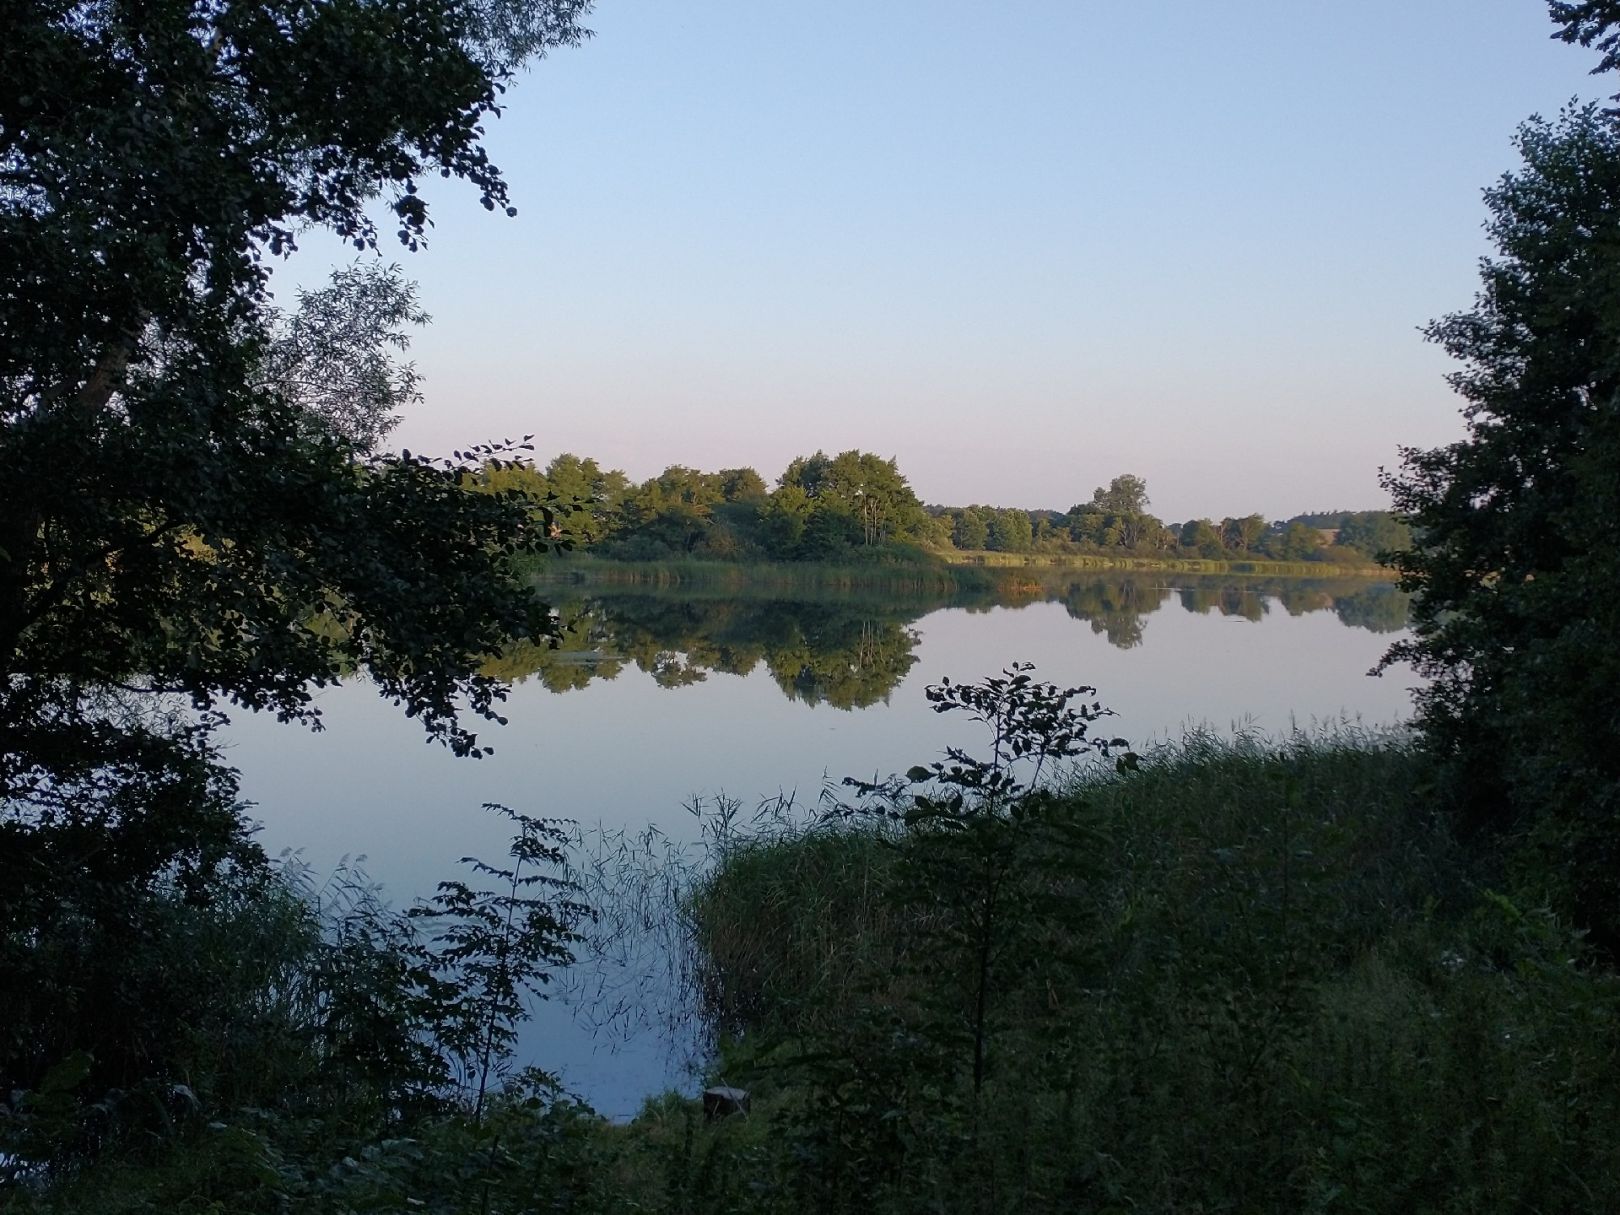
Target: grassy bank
x: 1185, y: 565
x: 936, y: 583
x: 911, y: 571
x: 1255, y: 979
x: 909, y: 577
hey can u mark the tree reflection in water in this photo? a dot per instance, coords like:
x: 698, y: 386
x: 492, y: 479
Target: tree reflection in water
x: 850, y: 650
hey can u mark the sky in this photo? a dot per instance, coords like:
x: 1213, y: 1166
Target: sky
x: 1021, y: 247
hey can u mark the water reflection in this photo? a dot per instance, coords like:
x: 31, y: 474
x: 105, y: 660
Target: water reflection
x: 850, y: 650
x: 620, y: 750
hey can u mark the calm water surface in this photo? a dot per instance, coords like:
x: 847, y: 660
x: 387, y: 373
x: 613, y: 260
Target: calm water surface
x: 657, y: 700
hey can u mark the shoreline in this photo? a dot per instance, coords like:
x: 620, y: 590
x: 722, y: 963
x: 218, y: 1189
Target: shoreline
x: 982, y: 570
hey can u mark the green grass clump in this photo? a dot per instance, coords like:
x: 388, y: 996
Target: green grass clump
x: 781, y: 926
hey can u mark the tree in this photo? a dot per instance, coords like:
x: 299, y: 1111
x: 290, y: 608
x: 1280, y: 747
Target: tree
x: 586, y: 500
x: 1241, y: 535
x: 1372, y: 532
x: 1117, y: 517
x: 741, y: 485
x: 855, y: 498
x: 1126, y: 495
x: 182, y: 509
x: 1201, y: 536
x: 674, y: 508
x: 1010, y: 531
x: 1294, y: 541
x: 1590, y: 22
x: 192, y: 501
x: 971, y: 528
x: 334, y: 355
x: 1513, y: 561
x: 1088, y: 524
x: 783, y: 519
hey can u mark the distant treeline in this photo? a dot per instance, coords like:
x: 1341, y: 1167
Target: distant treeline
x: 857, y: 505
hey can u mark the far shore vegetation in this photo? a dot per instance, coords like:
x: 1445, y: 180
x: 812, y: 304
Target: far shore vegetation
x: 857, y: 508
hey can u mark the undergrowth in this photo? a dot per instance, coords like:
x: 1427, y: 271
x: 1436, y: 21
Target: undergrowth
x: 1274, y: 982
x: 1224, y: 975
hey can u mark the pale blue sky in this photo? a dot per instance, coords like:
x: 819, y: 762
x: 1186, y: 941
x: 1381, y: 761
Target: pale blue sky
x: 1021, y: 246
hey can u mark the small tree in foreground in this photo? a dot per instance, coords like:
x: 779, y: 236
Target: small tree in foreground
x: 491, y: 947
x: 989, y: 853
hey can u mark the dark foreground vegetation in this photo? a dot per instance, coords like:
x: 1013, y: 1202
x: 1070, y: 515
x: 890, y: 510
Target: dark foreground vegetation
x: 1238, y: 978
x: 1224, y: 976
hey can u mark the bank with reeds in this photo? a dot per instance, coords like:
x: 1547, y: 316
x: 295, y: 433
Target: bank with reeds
x: 906, y: 575
x: 1248, y: 566
x: 1243, y: 977
x: 906, y: 571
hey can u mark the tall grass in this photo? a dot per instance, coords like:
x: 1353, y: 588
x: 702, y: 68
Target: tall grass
x: 788, y: 914
x: 1188, y: 565
x: 1300, y: 994
x: 786, y: 924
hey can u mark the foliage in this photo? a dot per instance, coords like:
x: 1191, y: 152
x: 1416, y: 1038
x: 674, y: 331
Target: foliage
x: 1290, y: 992
x: 334, y: 354
x: 856, y: 506
x: 854, y: 498
x: 1010, y: 531
x: 1259, y: 977
x: 1200, y: 536
x: 1516, y: 587
x: 1374, y: 533
x: 192, y: 501
x: 122, y: 839
x: 970, y: 528
x: 195, y: 513
x: 185, y: 493
x: 307, y: 1032
x: 1590, y: 22
x: 490, y: 947
x: 1125, y: 495
x: 1294, y: 541
x: 585, y: 499
x: 976, y: 882
x: 1240, y: 535
x: 987, y: 849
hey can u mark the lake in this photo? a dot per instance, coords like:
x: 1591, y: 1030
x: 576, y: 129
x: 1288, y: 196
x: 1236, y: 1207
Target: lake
x: 657, y: 701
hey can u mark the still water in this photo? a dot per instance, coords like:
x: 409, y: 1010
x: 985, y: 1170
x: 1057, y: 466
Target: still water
x: 657, y: 700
